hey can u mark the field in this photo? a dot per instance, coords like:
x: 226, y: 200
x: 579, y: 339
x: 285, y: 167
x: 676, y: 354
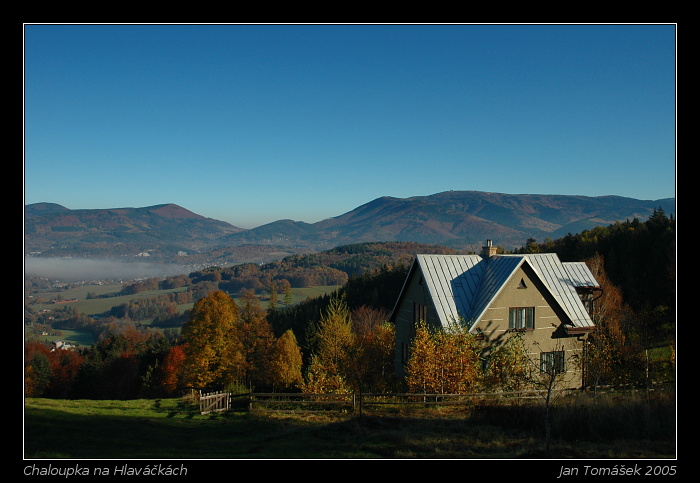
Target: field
x: 635, y: 426
x: 97, y: 306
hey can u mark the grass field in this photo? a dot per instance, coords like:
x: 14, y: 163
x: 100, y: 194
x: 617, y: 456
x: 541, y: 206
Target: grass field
x: 168, y: 428
x: 97, y: 306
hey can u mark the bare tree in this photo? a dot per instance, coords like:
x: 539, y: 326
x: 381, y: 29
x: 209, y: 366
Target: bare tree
x: 550, y: 375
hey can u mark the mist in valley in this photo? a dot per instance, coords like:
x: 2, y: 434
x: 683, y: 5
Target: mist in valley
x: 77, y: 269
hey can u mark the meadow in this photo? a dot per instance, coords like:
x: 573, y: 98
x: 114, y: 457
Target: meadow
x: 613, y: 426
x: 96, y: 306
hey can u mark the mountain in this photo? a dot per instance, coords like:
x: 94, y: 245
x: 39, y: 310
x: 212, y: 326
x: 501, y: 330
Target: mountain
x: 161, y: 229
x: 457, y: 219
x: 463, y: 219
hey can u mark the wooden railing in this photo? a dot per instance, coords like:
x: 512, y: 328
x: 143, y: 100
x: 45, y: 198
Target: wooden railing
x: 351, y: 401
x: 214, y: 402
x: 280, y: 401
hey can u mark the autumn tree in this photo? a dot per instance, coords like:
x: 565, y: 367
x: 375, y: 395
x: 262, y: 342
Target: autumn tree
x: 287, y: 362
x: 172, y: 370
x: 372, y: 358
x: 65, y: 365
x: 443, y: 361
x: 421, y: 368
x: 214, y: 353
x: 332, y: 340
x: 258, y: 340
x: 458, y: 359
x: 506, y: 365
x: 608, y: 352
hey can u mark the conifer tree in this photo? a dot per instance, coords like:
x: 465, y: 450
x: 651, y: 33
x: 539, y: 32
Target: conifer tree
x: 333, y: 337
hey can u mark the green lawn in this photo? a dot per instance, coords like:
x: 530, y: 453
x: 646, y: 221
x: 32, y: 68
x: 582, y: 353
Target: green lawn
x: 166, y: 428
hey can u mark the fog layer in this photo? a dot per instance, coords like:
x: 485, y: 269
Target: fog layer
x: 74, y: 269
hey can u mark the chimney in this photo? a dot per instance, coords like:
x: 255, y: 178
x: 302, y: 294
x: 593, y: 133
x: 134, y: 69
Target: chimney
x: 488, y: 251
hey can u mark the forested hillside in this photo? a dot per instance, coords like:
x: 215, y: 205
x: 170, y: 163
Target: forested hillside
x: 458, y: 219
x: 138, y: 359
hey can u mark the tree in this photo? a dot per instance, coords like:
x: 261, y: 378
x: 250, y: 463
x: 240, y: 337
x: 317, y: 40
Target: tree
x: 458, y: 359
x: 37, y: 375
x: 214, y: 352
x: 372, y: 360
x: 333, y: 338
x: 607, y: 356
x: 258, y: 340
x: 172, y: 370
x: 549, y: 375
x: 272, y: 288
x: 507, y: 365
x: 286, y: 362
x: 421, y: 369
x: 287, y: 291
x: 65, y: 365
x: 443, y: 361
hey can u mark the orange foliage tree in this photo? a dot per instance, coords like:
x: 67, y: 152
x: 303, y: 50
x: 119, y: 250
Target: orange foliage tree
x: 214, y: 354
x: 172, y: 370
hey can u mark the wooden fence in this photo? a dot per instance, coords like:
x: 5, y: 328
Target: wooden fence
x: 213, y: 402
x: 276, y: 401
x: 353, y: 401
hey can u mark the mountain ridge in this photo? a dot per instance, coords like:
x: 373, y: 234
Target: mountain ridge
x: 457, y: 219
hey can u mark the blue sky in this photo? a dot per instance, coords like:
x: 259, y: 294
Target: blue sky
x: 254, y: 123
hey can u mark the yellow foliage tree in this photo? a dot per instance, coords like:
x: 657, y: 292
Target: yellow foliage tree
x: 214, y: 353
x: 286, y: 362
x: 421, y: 369
x: 443, y: 361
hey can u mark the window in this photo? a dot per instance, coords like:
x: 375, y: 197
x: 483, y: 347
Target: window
x: 552, y: 362
x: 521, y: 318
x: 420, y: 313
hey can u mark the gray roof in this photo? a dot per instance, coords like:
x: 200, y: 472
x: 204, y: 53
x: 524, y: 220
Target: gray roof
x: 463, y: 286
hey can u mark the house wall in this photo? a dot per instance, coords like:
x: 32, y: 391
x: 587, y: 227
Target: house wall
x: 548, y: 334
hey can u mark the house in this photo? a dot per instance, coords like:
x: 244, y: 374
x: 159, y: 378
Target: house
x: 547, y: 301
x: 61, y: 345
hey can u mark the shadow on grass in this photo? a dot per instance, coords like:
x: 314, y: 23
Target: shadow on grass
x: 169, y: 429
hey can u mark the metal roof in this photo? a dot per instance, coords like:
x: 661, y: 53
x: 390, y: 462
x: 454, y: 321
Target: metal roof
x: 580, y: 275
x: 463, y: 286
x: 453, y: 281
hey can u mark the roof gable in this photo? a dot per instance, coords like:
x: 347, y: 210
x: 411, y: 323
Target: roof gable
x: 462, y: 287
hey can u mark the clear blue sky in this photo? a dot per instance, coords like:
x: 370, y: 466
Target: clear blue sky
x: 255, y: 123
